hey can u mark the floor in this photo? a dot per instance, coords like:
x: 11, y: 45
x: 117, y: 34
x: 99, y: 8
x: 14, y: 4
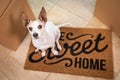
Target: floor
x: 77, y: 12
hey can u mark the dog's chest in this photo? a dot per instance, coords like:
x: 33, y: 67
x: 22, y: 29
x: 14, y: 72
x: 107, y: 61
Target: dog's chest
x: 41, y: 44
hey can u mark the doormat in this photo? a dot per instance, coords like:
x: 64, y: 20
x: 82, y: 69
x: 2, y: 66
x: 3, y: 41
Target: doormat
x: 85, y: 51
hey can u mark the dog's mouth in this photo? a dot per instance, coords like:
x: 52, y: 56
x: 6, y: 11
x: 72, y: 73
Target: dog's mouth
x: 36, y: 37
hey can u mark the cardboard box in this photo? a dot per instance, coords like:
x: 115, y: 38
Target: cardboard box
x: 12, y: 32
x: 108, y: 11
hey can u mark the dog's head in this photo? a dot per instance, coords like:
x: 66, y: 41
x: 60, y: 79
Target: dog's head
x: 36, y: 28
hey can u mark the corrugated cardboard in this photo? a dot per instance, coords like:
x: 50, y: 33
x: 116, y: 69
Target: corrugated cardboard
x: 108, y: 11
x: 12, y: 32
x: 77, y: 54
x: 4, y: 5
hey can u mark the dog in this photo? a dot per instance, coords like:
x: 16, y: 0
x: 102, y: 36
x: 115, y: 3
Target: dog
x: 44, y: 33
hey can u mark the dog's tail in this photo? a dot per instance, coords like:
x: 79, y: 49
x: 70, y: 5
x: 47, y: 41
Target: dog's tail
x: 65, y: 24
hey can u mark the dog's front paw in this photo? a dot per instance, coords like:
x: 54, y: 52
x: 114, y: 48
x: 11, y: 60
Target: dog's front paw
x: 43, y: 54
x: 36, y: 50
x: 55, y: 52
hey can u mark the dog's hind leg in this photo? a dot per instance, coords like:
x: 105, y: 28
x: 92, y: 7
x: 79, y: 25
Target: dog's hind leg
x: 54, y: 51
x: 58, y: 45
x: 57, y: 41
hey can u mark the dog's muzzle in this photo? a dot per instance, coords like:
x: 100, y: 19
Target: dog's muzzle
x: 35, y: 35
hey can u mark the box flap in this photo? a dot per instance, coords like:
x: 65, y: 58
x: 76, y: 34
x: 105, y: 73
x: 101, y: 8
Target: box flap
x: 4, y: 5
x: 108, y: 11
x: 13, y: 32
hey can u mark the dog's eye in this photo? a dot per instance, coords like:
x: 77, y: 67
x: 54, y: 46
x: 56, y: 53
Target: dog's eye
x: 30, y: 28
x: 40, y: 26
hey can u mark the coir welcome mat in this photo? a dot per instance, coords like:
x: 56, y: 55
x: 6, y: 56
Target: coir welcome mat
x: 86, y: 52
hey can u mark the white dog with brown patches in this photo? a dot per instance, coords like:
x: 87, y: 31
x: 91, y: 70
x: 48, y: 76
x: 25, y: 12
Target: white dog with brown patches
x: 44, y: 33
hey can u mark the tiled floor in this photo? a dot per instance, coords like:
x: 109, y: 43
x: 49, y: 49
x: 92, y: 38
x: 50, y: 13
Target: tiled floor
x: 79, y: 13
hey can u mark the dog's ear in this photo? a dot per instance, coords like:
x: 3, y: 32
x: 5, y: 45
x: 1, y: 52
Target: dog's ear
x: 25, y: 19
x: 43, y: 15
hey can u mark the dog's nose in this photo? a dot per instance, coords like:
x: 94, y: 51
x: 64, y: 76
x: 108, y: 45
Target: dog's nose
x: 35, y: 35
